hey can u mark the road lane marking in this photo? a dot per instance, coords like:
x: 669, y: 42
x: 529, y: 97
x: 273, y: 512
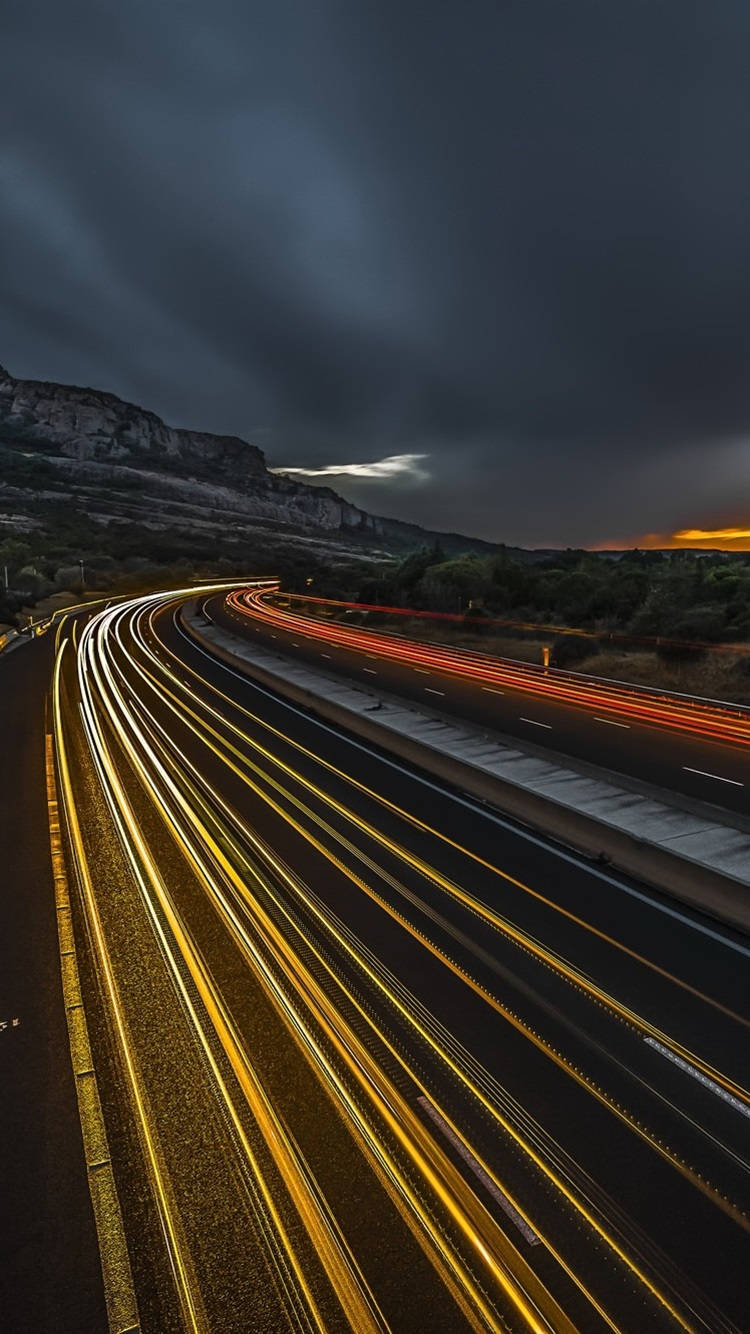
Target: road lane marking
x: 492, y: 691
x: 119, y: 1290
x: 430, y: 691
x: 473, y: 804
x: 718, y: 777
x: 325, y: 655
x: 498, y: 1195
x: 422, y: 671
x: 611, y: 722
x: 371, y: 671
x: 698, y: 1074
x: 534, y: 723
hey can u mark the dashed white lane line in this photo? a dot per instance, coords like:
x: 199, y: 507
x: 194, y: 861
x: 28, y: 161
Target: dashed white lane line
x: 325, y: 655
x: 610, y: 722
x: 699, y: 1075
x: 422, y: 671
x: 430, y: 691
x: 499, y: 821
x: 718, y: 777
x: 492, y: 691
x: 370, y: 670
x: 498, y: 1195
x: 534, y: 723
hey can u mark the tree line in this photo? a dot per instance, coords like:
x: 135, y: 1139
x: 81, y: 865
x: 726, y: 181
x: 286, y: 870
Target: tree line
x: 686, y: 596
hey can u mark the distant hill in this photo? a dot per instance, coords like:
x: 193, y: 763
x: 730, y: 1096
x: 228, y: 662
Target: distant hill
x: 120, y: 464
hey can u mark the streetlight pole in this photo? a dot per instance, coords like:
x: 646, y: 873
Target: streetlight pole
x: 83, y: 579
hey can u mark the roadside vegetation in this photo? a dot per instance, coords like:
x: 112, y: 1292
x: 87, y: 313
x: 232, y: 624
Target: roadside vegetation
x: 69, y: 556
x: 679, y: 621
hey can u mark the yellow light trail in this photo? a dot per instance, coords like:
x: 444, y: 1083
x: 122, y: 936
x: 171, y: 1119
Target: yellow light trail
x: 190, y: 1301
x: 575, y: 1202
x: 268, y: 1122
x: 662, y: 1150
x: 348, y: 1283
x: 571, y: 974
x: 426, y: 1028
x: 185, y: 816
x: 439, y: 835
x: 313, y: 903
x: 418, y: 1141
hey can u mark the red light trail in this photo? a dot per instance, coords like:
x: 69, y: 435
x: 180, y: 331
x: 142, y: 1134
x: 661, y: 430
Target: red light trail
x: 707, y: 719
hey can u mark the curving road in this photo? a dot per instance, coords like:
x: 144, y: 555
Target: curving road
x: 370, y: 1057
x: 684, y: 746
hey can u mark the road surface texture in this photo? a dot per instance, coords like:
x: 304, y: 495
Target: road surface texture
x: 371, y: 1058
x: 50, y: 1277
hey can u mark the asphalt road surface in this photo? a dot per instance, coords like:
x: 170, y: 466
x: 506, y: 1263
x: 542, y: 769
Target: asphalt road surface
x: 687, y: 762
x: 370, y: 1056
x: 50, y: 1278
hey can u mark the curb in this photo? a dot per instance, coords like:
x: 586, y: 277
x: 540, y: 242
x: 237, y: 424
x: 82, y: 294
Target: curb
x: 119, y: 1291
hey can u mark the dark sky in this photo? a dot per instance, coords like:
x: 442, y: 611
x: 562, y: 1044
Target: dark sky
x: 511, y: 237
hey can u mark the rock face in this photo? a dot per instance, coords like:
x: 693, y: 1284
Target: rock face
x: 88, y: 424
x: 100, y: 444
x: 122, y: 463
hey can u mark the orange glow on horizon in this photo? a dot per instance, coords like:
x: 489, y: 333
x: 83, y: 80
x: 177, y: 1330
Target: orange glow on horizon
x: 711, y: 534
x: 722, y: 539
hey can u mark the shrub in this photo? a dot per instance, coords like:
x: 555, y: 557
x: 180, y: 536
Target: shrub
x: 567, y: 650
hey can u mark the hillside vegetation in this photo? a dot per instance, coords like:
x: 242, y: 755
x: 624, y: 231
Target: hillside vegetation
x: 680, y: 621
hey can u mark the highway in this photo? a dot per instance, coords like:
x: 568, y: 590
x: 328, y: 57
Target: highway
x: 696, y: 751
x: 370, y: 1057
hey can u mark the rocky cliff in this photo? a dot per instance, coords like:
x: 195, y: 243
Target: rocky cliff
x: 88, y: 424
x: 122, y: 463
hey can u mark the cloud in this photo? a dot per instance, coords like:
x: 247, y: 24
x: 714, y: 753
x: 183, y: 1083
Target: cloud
x: 396, y: 465
x: 517, y: 244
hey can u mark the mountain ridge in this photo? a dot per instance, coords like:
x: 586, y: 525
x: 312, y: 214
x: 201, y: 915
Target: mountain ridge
x: 122, y: 462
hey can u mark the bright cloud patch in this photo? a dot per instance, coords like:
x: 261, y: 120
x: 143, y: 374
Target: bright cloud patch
x: 711, y: 534
x: 395, y: 465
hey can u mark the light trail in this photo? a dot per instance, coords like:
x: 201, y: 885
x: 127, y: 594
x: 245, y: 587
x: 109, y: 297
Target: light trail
x: 376, y: 974
x: 551, y: 959
x: 189, y: 1297
x: 534, y: 1037
x: 294, y: 1175
x: 423, y: 1152
x: 356, y: 1301
x: 185, y: 709
x: 410, y: 818
x: 535, y: 627
x: 700, y: 719
x: 351, y: 1018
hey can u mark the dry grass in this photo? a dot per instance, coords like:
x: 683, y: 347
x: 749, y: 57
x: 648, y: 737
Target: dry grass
x: 717, y: 676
